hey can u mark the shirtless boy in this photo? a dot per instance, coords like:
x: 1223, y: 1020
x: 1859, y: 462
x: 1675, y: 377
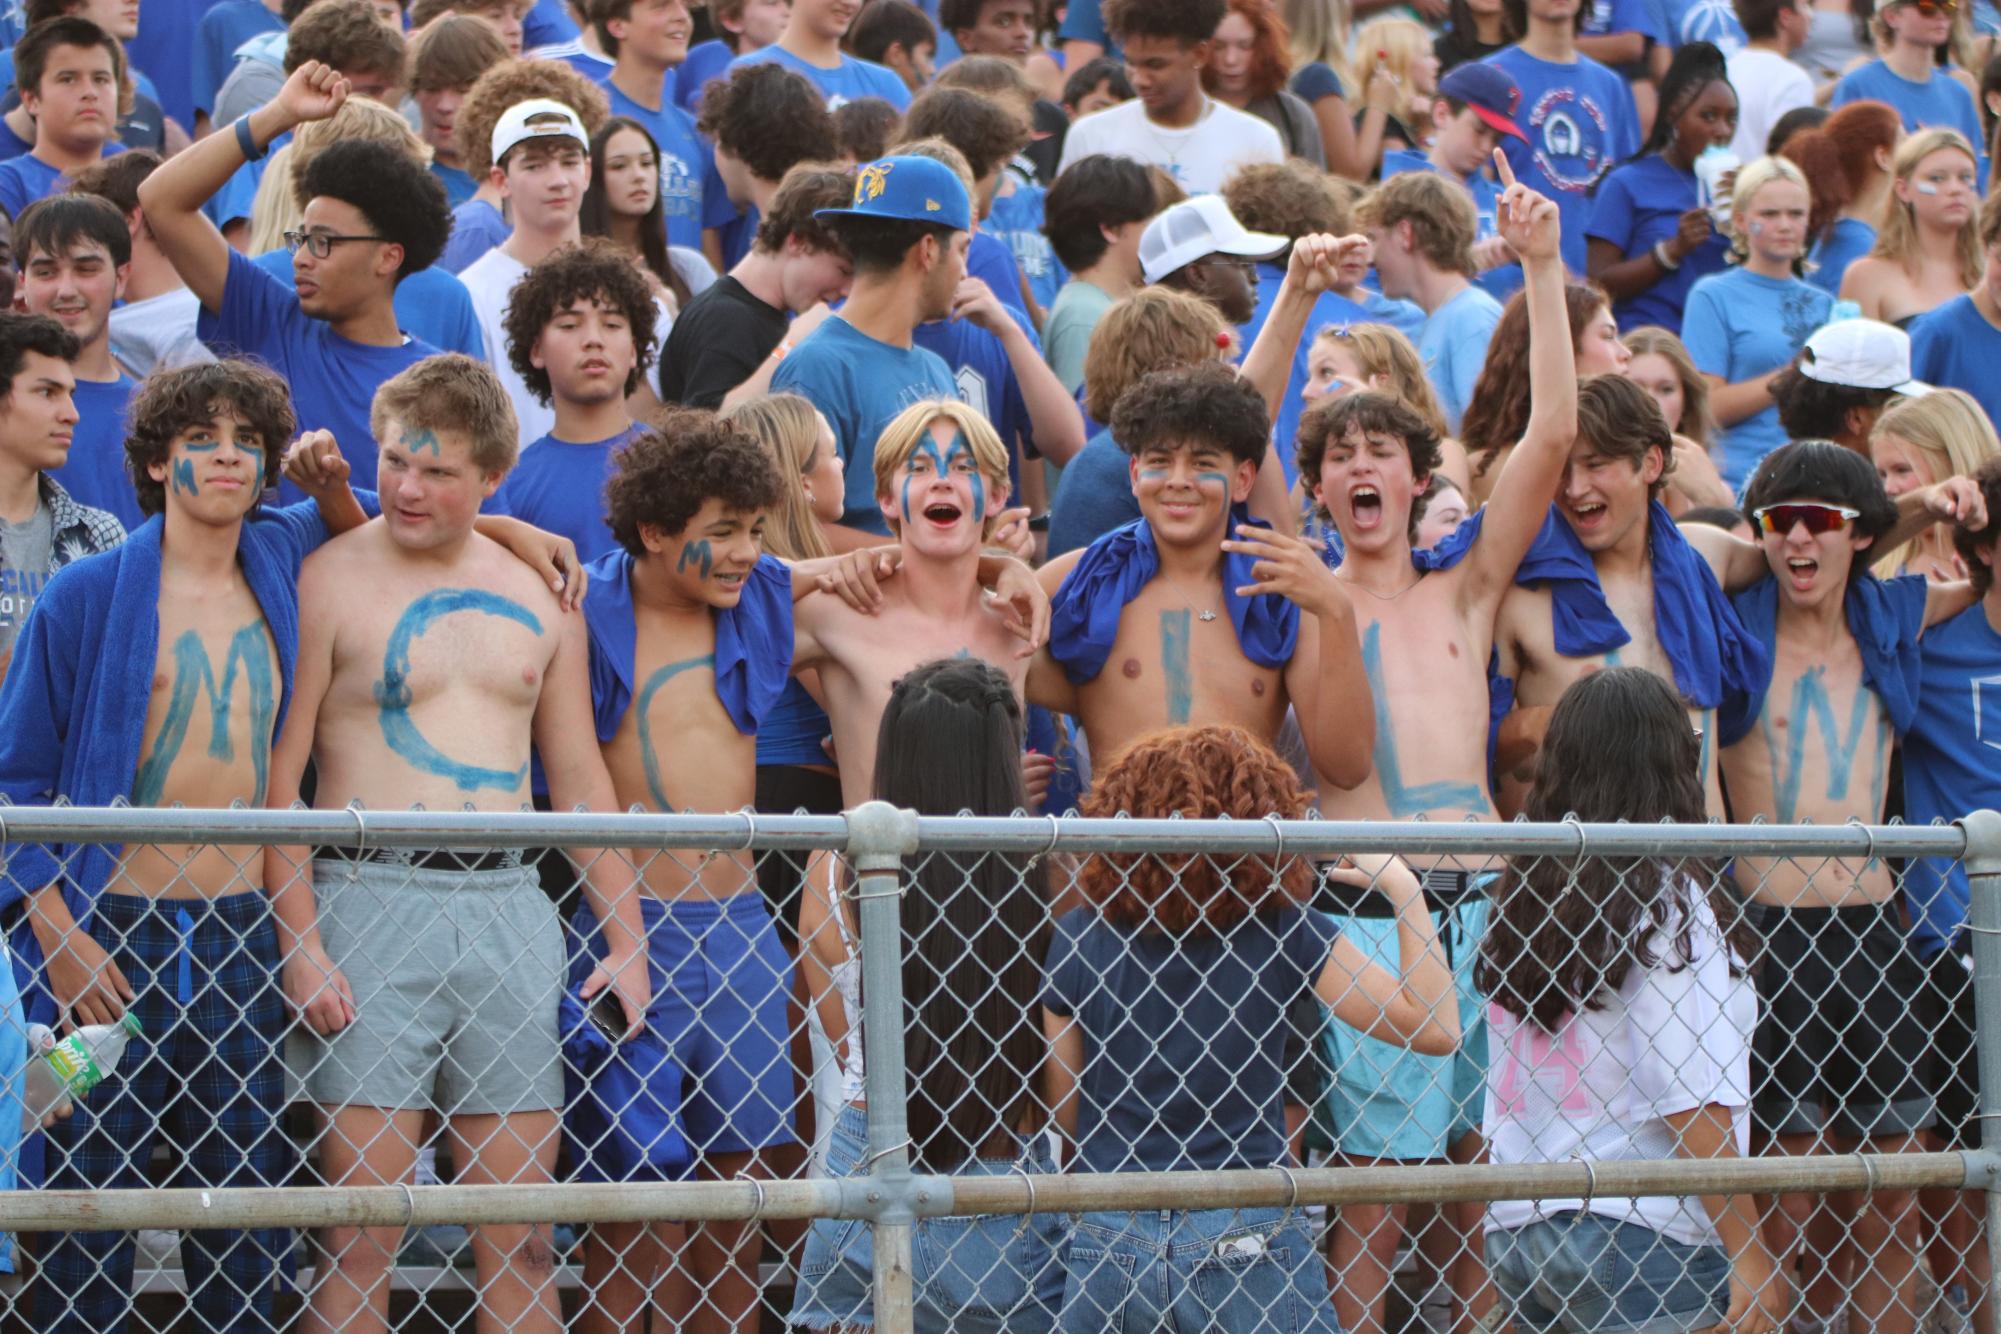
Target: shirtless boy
x: 1832, y: 1064
x: 429, y: 660
x: 1426, y: 625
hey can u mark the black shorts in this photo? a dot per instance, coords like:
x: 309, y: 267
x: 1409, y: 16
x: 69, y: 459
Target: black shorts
x: 786, y: 789
x: 1842, y: 1044
x: 1955, y: 1067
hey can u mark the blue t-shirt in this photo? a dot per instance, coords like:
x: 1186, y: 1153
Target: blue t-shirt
x: 546, y: 23
x: 1453, y: 344
x: 578, y: 57
x: 1640, y: 203
x: 26, y: 178
x: 1939, y: 100
x: 851, y: 79
x: 164, y: 47
x: 1329, y: 308
x: 1580, y: 121
x: 558, y: 486
x: 1952, y: 762
x: 459, y: 186
x: 1186, y: 1035
x: 1016, y: 222
x: 224, y: 28
x: 989, y: 260
x: 1084, y: 21
x: 1093, y: 496
x: 705, y: 61
x: 985, y: 379
x: 1849, y: 241
x: 95, y: 473
x: 1604, y: 18
x: 432, y: 306
x: 1954, y: 347
x: 1316, y: 81
x: 859, y: 385
x: 792, y: 731
x: 1712, y: 21
x: 1738, y: 326
x: 687, y: 165
x: 1500, y: 282
x: 477, y: 227
x: 333, y: 379
x: 12, y: 145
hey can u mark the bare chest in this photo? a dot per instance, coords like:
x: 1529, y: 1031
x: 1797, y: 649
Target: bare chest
x: 212, y: 707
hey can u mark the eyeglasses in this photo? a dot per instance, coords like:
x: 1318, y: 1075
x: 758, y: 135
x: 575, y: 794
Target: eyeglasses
x: 1933, y: 8
x: 321, y: 244
x: 1817, y: 518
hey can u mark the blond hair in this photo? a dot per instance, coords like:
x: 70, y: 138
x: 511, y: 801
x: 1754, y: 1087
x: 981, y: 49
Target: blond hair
x: 451, y: 392
x: 789, y: 426
x: 1382, y: 351
x: 1322, y: 30
x: 1698, y: 420
x: 1949, y: 429
x: 911, y: 427
x: 1402, y: 42
x: 1897, y: 239
x: 1752, y: 178
x: 1154, y: 329
x: 280, y: 206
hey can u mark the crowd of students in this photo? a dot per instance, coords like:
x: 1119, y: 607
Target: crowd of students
x: 1147, y: 407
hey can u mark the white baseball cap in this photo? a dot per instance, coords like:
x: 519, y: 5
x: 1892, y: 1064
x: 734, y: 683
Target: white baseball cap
x: 1194, y: 229
x: 1863, y: 354
x: 553, y: 120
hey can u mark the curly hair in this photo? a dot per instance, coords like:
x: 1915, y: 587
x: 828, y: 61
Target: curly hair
x: 864, y: 127
x: 1206, y: 402
x: 806, y: 190
x: 347, y: 35
x: 769, y: 118
x: 1198, y: 773
x: 169, y: 402
x: 402, y: 201
x: 1499, y: 410
x: 512, y: 82
x: 1186, y: 21
x: 664, y: 475
x: 451, y: 392
x: 281, y: 201
x: 1271, y: 49
x: 1440, y: 214
x: 592, y: 270
x: 1289, y: 198
x: 1366, y: 413
x: 1154, y: 329
x: 979, y: 127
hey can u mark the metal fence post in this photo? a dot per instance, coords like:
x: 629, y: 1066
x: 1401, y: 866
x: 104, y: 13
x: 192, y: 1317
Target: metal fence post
x: 1983, y: 880
x: 879, y: 837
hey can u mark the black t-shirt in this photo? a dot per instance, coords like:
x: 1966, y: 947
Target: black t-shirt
x: 718, y: 340
x: 1453, y: 48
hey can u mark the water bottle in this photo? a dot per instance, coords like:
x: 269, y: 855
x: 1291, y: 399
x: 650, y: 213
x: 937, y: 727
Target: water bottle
x: 72, y: 1067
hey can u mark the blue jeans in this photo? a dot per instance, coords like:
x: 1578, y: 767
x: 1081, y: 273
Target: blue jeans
x: 1581, y: 1271
x: 994, y: 1272
x: 1211, y: 1269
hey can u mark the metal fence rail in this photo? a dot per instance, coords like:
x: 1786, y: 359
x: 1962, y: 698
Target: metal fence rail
x: 881, y: 847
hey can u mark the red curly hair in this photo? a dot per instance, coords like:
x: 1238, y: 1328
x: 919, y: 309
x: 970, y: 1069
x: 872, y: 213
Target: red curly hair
x: 1271, y: 50
x: 1199, y: 773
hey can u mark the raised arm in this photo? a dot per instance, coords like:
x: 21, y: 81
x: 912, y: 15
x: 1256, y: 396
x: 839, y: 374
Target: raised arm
x: 173, y: 196
x: 1053, y: 418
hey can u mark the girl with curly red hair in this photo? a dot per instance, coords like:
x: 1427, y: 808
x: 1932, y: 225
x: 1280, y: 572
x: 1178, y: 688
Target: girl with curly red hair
x: 1165, y: 1004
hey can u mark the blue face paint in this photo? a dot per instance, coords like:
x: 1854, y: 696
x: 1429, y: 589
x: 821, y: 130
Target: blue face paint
x: 392, y: 692
x: 181, y: 476
x: 694, y: 553
x: 941, y: 463
x: 1152, y: 474
x: 1811, y: 702
x: 647, y: 755
x: 1174, y: 664
x: 1405, y: 801
x: 1212, y: 478
x: 421, y: 441
x: 194, y: 675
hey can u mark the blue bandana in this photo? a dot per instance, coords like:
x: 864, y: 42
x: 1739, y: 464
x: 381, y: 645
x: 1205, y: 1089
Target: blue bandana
x: 1084, y: 614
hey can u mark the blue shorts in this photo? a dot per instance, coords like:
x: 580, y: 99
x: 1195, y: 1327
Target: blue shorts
x: 995, y: 1272
x: 1209, y: 1269
x: 1581, y: 1271
x: 1385, y: 1100
x: 721, y: 980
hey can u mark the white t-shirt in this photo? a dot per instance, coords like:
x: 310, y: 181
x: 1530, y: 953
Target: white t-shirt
x: 1200, y: 158
x: 490, y: 280
x: 158, y: 334
x: 1599, y: 1087
x: 1768, y: 86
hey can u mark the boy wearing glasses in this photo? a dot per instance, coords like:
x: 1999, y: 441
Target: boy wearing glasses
x: 1836, y: 1063
x: 1910, y: 33
x: 373, y: 215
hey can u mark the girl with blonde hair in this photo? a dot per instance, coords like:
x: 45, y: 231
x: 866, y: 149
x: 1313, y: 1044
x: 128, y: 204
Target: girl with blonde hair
x: 1322, y: 75
x: 278, y: 209
x: 1928, y: 248
x: 809, y: 456
x: 1920, y: 441
x: 1400, y: 48
x: 1661, y: 366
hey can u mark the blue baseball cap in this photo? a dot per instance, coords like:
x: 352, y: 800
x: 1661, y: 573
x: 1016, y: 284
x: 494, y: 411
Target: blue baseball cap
x: 1487, y: 89
x: 913, y: 189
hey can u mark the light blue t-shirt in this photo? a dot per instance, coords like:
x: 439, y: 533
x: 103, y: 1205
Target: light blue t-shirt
x: 1738, y: 326
x: 477, y: 227
x: 1849, y: 241
x: 95, y: 473
x: 1639, y: 204
x: 859, y: 385
x: 26, y: 178
x: 1712, y: 21
x: 1952, y: 762
x: 431, y: 305
x: 687, y: 165
x: 1016, y: 221
x: 1580, y: 122
x: 1954, y: 347
x: 1939, y: 100
x: 558, y: 485
x: 1329, y: 308
x: 1453, y: 344
x: 851, y: 79
x: 1093, y: 496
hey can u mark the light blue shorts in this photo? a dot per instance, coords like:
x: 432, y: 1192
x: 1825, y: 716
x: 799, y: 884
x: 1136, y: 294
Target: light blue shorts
x: 1584, y: 1272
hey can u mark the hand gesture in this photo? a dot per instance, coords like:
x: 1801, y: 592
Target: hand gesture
x: 315, y: 464
x: 1958, y: 499
x: 857, y: 578
x: 1385, y: 874
x: 1023, y: 604
x: 317, y: 990
x: 1288, y: 567
x: 1528, y: 222
x: 315, y: 91
x: 1384, y: 89
x: 976, y: 301
x: 1012, y: 533
x: 1315, y: 266
x: 1694, y: 227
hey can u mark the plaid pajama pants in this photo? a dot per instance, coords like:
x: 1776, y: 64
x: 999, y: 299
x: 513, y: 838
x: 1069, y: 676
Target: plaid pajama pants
x: 209, y: 1074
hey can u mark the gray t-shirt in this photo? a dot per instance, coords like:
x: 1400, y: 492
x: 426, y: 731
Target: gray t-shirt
x: 27, y: 549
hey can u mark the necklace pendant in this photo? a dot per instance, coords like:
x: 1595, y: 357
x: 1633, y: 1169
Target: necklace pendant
x: 1205, y: 615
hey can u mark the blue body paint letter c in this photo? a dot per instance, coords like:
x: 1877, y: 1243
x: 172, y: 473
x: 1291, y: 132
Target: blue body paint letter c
x: 392, y: 692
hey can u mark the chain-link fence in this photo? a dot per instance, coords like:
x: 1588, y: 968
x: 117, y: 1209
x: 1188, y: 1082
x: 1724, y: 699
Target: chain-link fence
x: 1003, y: 1074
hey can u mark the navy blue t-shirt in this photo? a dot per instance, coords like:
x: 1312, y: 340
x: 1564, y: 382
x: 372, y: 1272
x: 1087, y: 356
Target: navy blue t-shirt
x: 1184, y: 1035
x: 1638, y: 204
x: 704, y: 62
x: 95, y: 473
x: 1954, y: 347
x: 559, y: 487
x: 1580, y: 121
x: 1093, y: 496
x: 431, y: 305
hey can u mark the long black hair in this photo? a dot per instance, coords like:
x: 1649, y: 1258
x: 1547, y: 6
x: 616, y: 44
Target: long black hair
x: 594, y: 213
x: 1567, y: 930
x: 976, y: 928
x: 1693, y: 69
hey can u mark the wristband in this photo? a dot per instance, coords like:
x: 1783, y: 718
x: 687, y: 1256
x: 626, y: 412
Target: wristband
x: 1661, y: 257
x: 244, y: 141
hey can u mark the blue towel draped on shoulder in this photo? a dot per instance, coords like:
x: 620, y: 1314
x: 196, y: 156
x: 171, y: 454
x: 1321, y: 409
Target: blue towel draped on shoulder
x: 1886, y: 616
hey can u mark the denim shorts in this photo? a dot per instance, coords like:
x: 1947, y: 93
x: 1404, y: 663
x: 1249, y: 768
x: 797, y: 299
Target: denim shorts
x: 1239, y: 1270
x: 993, y: 1272
x: 1580, y: 1271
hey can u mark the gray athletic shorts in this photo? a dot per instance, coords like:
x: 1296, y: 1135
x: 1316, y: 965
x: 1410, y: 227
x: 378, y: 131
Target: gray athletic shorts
x: 456, y: 976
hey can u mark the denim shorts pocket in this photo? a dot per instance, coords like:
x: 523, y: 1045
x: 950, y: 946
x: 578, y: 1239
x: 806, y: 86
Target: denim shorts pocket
x: 1097, y: 1288
x: 1245, y: 1281
x: 979, y: 1264
x: 1647, y: 1281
